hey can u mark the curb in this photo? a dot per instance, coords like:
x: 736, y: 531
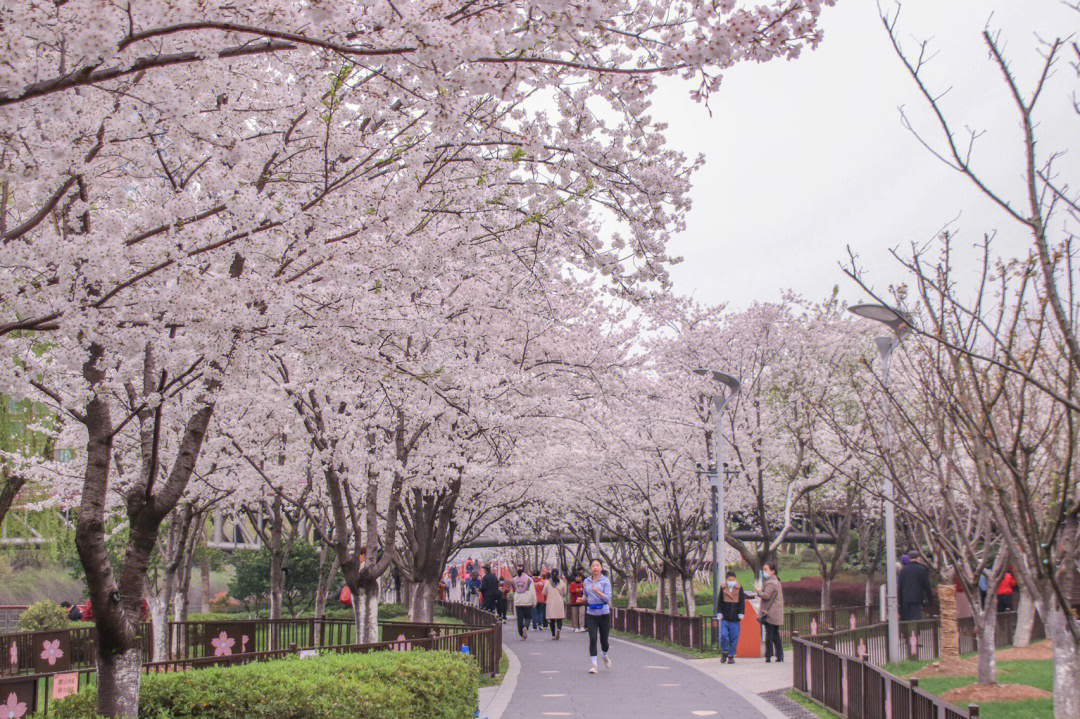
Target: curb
x: 501, y: 700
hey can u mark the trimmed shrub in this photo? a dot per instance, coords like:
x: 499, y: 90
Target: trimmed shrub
x: 43, y: 616
x: 382, y: 685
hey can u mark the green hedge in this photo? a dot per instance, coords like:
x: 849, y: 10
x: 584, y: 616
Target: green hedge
x: 381, y: 685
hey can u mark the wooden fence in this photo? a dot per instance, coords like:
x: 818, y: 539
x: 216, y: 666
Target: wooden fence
x: 42, y: 666
x: 9, y: 617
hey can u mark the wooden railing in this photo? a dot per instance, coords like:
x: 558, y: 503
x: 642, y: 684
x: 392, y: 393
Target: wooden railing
x: 9, y: 617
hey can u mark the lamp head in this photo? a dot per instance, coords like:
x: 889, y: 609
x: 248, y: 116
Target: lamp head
x: 897, y: 321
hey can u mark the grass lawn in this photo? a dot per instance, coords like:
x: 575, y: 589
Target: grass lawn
x: 667, y: 646
x: 486, y: 681
x: 1036, y: 673
x: 810, y: 705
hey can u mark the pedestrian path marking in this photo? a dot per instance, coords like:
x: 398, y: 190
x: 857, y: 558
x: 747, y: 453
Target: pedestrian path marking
x: 653, y: 666
x: 534, y: 654
x: 557, y: 714
x: 553, y: 696
x: 671, y: 685
x: 703, y: 713
x: 550, y: 671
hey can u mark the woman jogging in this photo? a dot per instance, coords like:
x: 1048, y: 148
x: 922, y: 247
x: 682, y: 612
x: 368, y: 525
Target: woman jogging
x: 556, y: 608
x: 524, y: 599
x: 598, y: 612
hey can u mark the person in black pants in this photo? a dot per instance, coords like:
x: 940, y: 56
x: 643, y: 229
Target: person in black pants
x: 772, y: 611
x: 489, y: 589
x: 598, y: 612
x: 913, y: 588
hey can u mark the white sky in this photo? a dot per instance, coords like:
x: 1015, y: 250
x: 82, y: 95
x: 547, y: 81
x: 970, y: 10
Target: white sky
x: 806, y: 157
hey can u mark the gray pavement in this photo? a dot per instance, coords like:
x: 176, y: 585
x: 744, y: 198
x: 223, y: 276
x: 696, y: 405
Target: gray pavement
x: 643, y: 683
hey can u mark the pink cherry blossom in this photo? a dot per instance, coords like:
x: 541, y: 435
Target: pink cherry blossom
x: 14, y: 654
x: 13, y: 708
x: 223, y: 645
x: 51, y: 651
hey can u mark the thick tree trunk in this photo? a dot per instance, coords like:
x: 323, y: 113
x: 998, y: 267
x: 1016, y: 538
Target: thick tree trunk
x: 688, y: 595
x: 118, y: 680
x: 1025, y: 619
x: 632, y: 590
x: 949, y: 633
x: 826, y: 592
x: 1066, y: 665
x: 422, y: 602
x: 159, y: 624
x: 204, y: 572
x: 673, y: 595
x: 367, y: 606
x: 661, y: 591
x: 987, y: 648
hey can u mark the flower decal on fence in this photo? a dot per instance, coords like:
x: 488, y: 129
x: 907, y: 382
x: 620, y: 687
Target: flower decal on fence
x: 223, y: 645
x: 13, y: 708
x: 14, y: 654
x: 243, y: 643
x: 52, y: 651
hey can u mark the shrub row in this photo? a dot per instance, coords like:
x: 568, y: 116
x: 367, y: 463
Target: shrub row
x: 382, y: 685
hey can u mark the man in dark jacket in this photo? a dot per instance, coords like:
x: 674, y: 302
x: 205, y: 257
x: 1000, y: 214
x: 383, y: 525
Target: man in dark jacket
x: 489, y: 589
x: 730, y: 608
x: 913, y: 588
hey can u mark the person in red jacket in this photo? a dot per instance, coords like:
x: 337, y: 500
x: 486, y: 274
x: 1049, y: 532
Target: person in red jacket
x: 576, y: 591
x: 1005, y: 592
x: 539, y: 617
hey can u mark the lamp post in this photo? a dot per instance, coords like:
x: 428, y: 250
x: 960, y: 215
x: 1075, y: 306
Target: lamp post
x: 731, y: 387
x: 901, y: 327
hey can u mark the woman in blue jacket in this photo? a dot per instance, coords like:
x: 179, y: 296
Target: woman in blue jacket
x: 598, y: 611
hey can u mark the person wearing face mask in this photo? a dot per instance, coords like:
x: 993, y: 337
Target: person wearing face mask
x: 772, y: 611
x: 730, y: 609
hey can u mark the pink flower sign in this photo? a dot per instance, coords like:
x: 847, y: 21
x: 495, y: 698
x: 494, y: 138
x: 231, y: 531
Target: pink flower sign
x: 223, y: 645
x: 51, y: 651
x: 14, y: 654
x: 13, y: 708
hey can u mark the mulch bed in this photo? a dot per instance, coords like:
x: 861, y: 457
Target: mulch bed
x: 979, y: 693
x: 1042, y: 650
x: 948, y: 668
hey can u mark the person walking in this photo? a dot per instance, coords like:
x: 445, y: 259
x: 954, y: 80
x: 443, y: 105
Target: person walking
x: 597, y: 589
x: 1005, y: 591
x: 772, y: 611
x: 453, y: 576
x: 539, y: 617
x: 577, y: 604
x: 913, y: 588
x: 730, y: 609
x: 524, y: 600
x: 505, y: 587
x: 554, y: 589
x: 489, y: 589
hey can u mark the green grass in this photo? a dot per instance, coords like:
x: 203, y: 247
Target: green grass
x: 486, y: 681
x: 1037, y: 673
x: 667, y: 646
x: 810, y: 705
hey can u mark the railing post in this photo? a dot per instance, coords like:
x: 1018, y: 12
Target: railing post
x: 973, y: 711
x: 914, y: 682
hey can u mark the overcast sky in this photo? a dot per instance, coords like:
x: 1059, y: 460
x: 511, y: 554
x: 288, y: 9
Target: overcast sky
x: 806, y: 157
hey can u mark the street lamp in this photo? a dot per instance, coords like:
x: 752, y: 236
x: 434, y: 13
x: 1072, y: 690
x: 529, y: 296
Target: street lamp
x: 901, y: 327
x: 731, y: 387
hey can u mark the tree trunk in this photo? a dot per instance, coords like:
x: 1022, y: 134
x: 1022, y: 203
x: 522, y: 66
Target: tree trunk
x: 673, y: 595
x: 949, y: 633
x: 422, y: 602
x: 870, y: 588
x: 661, y: 590
x: 1025, y: 618
x: 688, y: 595
x: 987, y: 647
x: 367, y: 606
x: 159, y: 624
x: 632, y: 590
x: 1066, y: 665
x: 204, y: 571
x: 826, y: 591
x: 118, y: 679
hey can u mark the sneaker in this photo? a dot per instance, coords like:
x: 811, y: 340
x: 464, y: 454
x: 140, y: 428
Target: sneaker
x: 730, y: 659
x: 768, y: 659
x: 558, y: 634
x: 524, y: 633
x: 723, y: 658
x: 593, y: 669
x: 607, y: 662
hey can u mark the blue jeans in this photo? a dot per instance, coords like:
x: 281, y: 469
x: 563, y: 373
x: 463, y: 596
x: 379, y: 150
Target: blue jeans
x: 539, y: 616
x: 729, y: 636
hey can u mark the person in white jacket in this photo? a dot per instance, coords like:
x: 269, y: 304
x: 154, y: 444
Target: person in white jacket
x: 524, y: 600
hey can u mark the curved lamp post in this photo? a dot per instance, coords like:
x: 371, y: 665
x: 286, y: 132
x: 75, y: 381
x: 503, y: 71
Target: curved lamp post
x: 730, y: 387
x: 901, y: 327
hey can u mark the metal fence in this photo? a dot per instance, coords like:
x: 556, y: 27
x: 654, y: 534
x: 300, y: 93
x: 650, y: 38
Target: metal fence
x: 38, y: 662
x: 854, y: 688
x: 677, y: 629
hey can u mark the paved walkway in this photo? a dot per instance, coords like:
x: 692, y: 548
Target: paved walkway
x: 643, y: 683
